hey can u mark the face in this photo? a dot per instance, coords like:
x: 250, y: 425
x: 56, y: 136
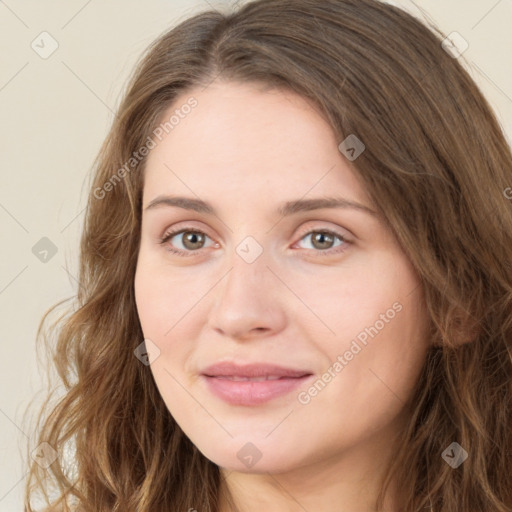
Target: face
x: 325, y: 291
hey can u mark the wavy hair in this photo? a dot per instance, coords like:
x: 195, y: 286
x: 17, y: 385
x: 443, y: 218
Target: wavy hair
x: 437, y: 166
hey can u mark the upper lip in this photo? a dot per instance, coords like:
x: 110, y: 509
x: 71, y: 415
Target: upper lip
x: 230, y: 369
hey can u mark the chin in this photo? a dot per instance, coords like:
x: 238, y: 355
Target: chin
x: 253, y: 458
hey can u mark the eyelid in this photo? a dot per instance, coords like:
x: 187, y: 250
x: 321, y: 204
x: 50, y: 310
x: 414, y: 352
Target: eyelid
x: 184, y: 226
x: 339, y: 231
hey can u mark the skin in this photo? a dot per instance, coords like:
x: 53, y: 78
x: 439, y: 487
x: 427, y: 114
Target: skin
x: 299, y: 304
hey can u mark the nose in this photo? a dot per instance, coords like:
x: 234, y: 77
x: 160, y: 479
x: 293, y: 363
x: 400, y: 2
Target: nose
x: 248, y: 301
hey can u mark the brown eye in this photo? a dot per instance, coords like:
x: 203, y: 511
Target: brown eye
x: 192, y: 240
x: 324, y: 240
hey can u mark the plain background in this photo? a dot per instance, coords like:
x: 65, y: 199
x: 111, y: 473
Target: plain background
x: 55, y: 113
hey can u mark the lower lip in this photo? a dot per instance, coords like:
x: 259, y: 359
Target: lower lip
x: 252, y: 392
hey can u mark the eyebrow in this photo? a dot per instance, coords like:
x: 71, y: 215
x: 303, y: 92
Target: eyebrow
x: 286, y: 209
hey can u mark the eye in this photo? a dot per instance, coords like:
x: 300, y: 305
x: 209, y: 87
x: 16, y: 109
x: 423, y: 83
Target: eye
x: 190, y: 241
x: 322, y: 239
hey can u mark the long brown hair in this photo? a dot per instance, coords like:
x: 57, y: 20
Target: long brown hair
x: 436, y: 165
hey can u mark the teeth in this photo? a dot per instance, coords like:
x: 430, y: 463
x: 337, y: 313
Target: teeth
x: 252, y: 379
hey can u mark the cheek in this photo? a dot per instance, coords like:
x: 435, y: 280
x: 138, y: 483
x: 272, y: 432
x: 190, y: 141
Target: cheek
x: 369, y: 381
x: 159, y: 310
x: 167, y: 314
x: 155, y: 301
x: 391, y: 356
x: 377, y: 325
x: 346, y: 301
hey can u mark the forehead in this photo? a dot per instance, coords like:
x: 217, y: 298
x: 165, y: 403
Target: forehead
x: 243, y: 139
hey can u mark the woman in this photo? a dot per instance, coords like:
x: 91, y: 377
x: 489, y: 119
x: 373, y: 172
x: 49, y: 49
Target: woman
x: 295, y: 288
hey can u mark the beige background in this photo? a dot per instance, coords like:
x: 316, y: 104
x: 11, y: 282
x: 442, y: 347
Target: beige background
x: 56, y: 111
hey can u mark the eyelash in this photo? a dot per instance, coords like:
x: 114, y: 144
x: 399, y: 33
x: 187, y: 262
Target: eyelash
x: 170, y: 234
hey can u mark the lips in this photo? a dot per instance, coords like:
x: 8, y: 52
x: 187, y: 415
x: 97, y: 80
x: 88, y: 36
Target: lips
x: 252, y: 384
x: 251, y: 379
x: 252, y: 371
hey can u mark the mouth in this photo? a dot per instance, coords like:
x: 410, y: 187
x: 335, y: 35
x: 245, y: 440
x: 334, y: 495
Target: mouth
x: 252, y: 384
x: 238, y: 378
x: 252, y: 370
